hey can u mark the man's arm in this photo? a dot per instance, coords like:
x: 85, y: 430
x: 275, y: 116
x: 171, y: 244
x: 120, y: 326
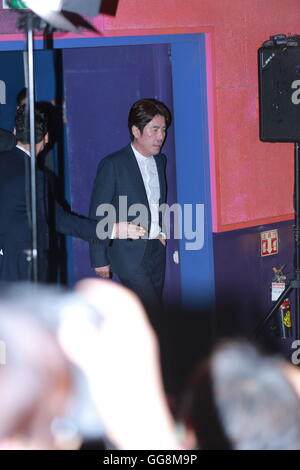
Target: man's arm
x: 103, y: 193
x: 75, y: 225
x: 66, y: 221
x: 69, y: 223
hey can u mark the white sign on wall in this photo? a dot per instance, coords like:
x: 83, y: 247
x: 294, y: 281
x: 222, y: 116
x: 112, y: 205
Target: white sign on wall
x: 269, y: 243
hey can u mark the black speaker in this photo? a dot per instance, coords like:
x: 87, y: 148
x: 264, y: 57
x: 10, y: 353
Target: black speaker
x: 279, y: 93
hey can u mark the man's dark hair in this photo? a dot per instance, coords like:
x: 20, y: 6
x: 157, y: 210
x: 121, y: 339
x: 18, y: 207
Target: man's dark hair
x: 21, y: 96
x: 22, y: 124
x: 143, y: 111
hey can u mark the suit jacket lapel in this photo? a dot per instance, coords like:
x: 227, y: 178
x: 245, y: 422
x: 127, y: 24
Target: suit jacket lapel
x: 42, y: 200
x: 161, y: 177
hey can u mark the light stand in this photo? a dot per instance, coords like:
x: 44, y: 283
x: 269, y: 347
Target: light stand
x: 31, y: 101
x: 294, y: 284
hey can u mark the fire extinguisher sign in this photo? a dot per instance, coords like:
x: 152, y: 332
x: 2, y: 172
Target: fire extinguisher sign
x: 269, y: 243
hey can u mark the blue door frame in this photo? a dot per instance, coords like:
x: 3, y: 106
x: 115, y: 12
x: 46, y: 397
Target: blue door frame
x: 192, y: 148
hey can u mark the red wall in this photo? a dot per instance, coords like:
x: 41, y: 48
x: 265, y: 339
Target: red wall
x: 252, y: 181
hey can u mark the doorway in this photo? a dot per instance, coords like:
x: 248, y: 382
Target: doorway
x: 101, y: 84
x: 187, y: 56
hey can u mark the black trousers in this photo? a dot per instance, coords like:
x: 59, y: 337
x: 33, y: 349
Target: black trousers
x: 147, y: 280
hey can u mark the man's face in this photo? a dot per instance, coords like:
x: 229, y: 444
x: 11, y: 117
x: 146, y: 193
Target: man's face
x: 150, y: 141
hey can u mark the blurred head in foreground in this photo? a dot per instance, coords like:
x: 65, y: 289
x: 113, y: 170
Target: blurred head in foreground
x: 242, y: 399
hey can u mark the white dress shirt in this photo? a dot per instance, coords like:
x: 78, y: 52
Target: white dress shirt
x: 23, y: 150
x: 148, y: 169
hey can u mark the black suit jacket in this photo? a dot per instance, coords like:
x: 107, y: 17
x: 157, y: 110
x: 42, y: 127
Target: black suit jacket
x: 119, y: 175
x: 15, y: 217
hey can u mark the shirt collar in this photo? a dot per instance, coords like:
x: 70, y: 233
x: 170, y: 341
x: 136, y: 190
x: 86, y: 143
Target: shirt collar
x: 139, y: 156
x: 23, y: 150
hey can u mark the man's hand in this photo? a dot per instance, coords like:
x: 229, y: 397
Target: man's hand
x: 103, y: 272
x: 129, y: 230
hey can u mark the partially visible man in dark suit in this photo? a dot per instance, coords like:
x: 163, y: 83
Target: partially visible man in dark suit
x: 137, y: 173
x: 15, y: 207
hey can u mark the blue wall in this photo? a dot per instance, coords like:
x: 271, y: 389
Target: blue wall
x: 193, y: 176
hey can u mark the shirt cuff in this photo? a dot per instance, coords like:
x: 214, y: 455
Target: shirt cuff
x: 113, y: 233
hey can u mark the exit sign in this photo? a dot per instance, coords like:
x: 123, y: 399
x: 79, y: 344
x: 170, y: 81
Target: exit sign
x: 269, y: 243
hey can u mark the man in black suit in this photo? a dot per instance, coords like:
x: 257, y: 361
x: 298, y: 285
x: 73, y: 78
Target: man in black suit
x: 135, y: 176
x: 15, y: 204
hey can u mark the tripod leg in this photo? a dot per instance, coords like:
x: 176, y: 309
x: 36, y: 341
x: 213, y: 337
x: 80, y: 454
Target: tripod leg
x: 276, y: 305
